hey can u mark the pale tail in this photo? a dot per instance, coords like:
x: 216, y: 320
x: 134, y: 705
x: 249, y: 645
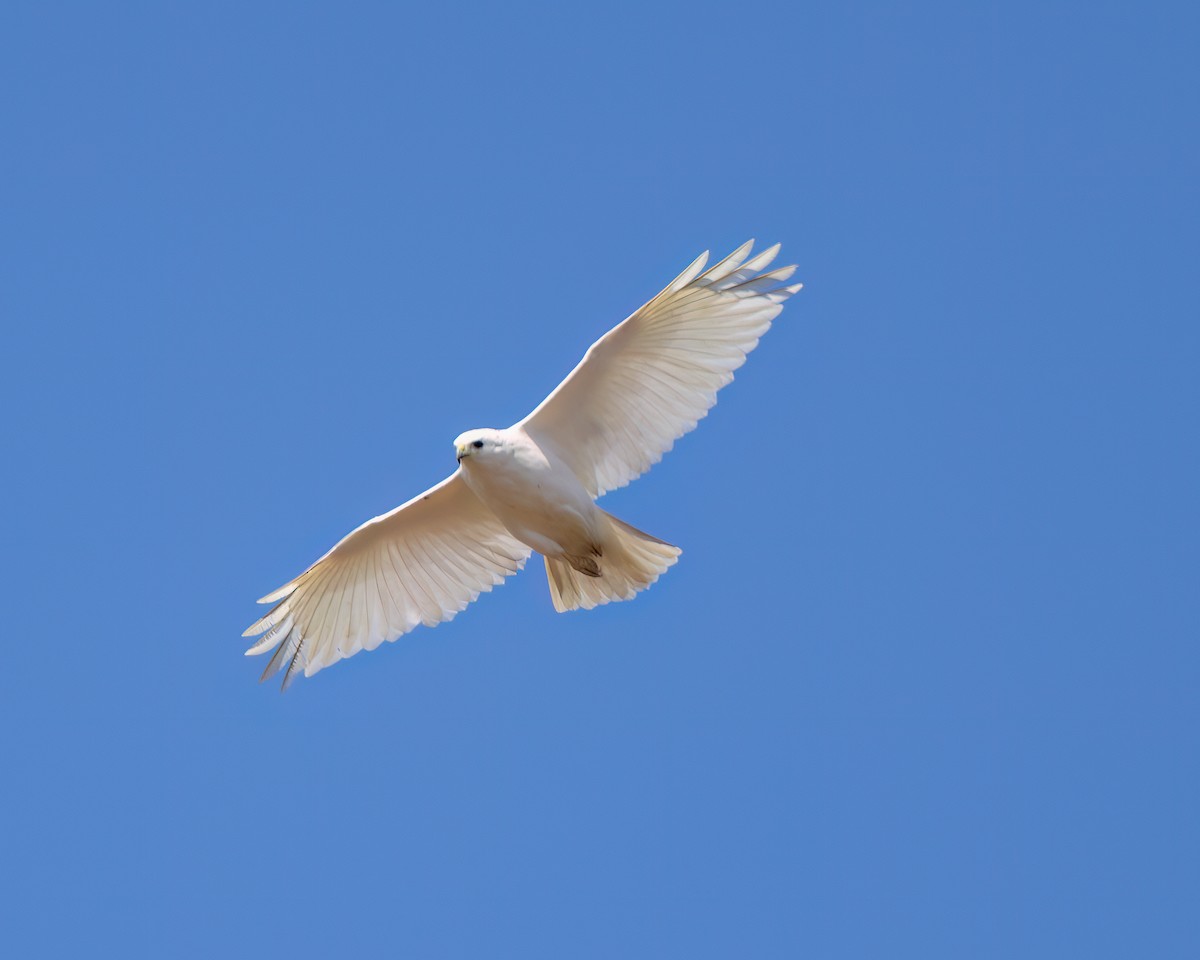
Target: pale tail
x: 629, y: 562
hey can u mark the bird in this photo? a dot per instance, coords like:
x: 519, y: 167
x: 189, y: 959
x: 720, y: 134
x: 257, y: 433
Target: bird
x: 533, y: 486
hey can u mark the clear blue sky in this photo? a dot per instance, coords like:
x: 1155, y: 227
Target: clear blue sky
x: 925, y: 683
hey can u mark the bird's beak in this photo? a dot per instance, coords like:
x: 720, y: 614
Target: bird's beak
x: 462, y: 450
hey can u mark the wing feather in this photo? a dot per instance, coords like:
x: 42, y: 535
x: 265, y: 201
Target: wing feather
x: 421, y: 563
x: 653, y: 377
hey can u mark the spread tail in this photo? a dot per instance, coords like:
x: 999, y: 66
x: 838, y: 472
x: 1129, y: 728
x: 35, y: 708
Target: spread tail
x: 627, y: 563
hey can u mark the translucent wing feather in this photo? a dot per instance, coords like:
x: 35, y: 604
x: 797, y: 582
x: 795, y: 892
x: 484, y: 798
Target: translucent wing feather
x: 421, y: 563
x: 650, y: 379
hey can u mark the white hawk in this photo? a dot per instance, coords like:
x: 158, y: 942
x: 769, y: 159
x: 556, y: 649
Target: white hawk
x: 533, y: 486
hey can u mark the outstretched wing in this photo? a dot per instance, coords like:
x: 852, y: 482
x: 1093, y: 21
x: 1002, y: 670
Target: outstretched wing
x: 650, y: 379
x: 421, y: 563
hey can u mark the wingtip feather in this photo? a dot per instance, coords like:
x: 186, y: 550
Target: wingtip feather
x: 286, y: 590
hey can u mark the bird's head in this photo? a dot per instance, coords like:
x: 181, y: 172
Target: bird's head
x: 476, y: 443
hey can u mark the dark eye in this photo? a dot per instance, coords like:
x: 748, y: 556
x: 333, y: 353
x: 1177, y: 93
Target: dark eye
x: 478, y: 444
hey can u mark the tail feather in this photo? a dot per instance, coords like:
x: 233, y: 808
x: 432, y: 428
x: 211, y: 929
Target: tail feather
x: 631, y: 560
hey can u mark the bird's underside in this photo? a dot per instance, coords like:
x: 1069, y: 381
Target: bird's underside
x: 532, y: 487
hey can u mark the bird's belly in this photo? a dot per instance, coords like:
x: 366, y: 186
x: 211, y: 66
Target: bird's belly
x: 541, y: 510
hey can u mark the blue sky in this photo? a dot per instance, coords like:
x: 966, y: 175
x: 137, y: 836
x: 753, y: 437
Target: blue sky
x: 925, y: 681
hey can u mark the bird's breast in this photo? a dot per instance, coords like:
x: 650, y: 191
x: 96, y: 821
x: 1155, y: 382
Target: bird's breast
x: 541, y: 503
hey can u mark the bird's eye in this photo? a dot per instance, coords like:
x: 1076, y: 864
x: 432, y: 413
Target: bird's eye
x: 478, y: 444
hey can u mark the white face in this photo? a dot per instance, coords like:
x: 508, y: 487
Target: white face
x: 477, y: 443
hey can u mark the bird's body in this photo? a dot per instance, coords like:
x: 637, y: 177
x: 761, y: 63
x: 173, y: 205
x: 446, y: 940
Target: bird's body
x: 591, y: 557
x: 533, y: 486
x: 532, y: 492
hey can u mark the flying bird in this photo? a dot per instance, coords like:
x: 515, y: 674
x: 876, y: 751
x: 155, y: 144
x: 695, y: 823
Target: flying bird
x: 533, y: 486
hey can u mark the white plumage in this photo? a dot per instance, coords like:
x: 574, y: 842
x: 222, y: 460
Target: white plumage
x: 640, y: 387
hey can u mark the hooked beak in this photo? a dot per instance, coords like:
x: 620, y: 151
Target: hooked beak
x: 462, y: 450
